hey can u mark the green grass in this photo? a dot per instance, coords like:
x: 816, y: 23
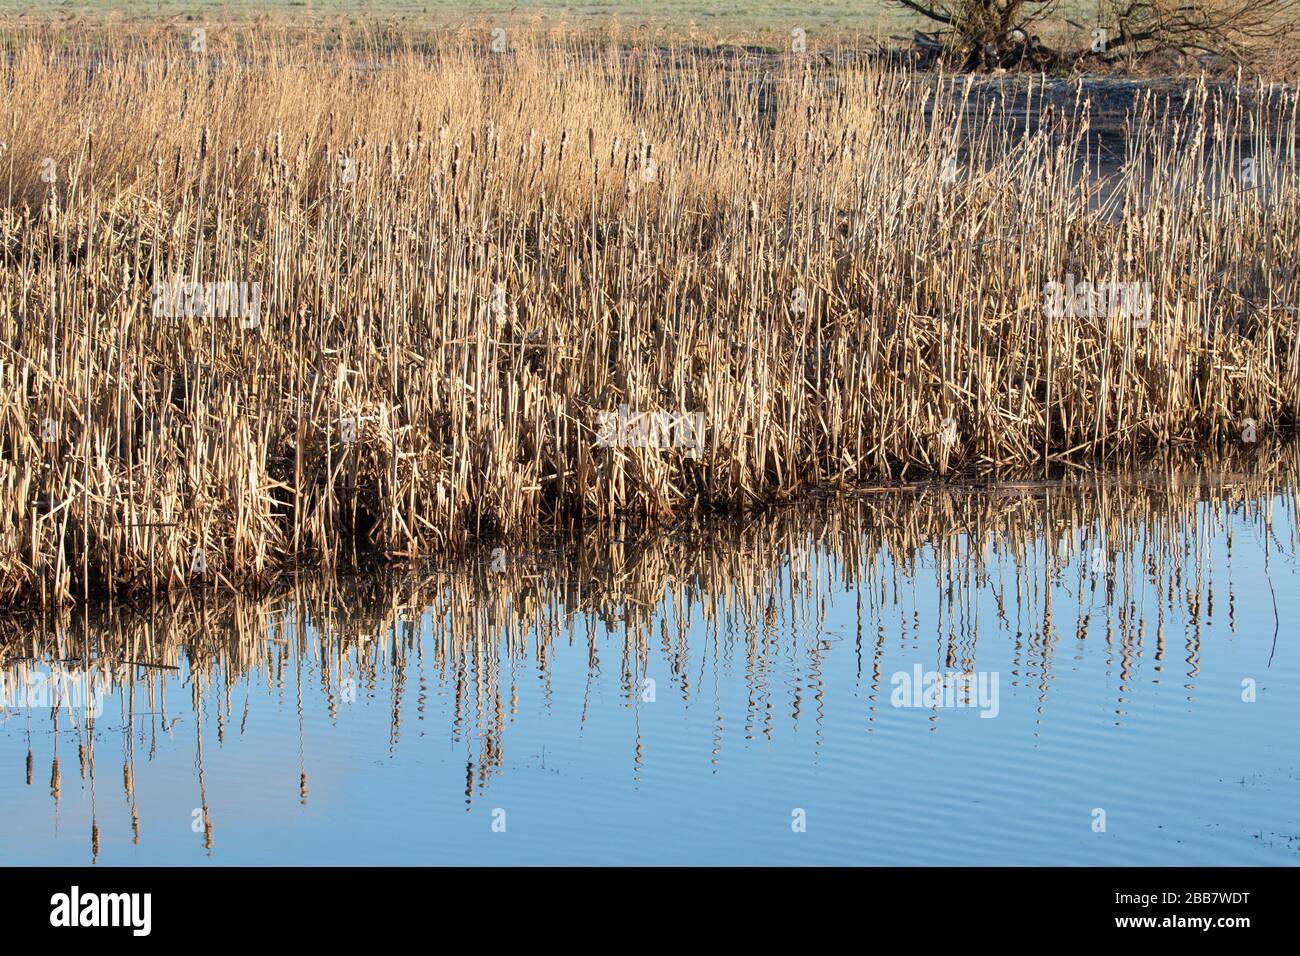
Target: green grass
x: 743, y: 17
x: 841, y: 13
x: 737, y: 21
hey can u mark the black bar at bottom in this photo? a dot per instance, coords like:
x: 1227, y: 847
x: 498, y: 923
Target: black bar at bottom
x: 334, y: 906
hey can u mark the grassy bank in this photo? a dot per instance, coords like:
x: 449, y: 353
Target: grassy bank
x: 270, y: 308
x: 679, y: 15
x: 825, y: 22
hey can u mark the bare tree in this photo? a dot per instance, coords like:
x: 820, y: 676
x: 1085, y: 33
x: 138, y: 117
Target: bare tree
x: 1229, y: 28
x: 985, y: 33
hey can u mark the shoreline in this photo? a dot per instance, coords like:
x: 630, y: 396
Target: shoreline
x: 1266, y: 471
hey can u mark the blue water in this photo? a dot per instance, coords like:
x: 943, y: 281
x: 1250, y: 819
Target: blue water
x: 508, y: 720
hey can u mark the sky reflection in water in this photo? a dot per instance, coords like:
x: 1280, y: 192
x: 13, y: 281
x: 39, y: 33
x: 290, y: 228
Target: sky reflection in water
x: 1109, y: 630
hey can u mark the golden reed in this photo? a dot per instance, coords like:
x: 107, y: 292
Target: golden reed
x: 266, y: 301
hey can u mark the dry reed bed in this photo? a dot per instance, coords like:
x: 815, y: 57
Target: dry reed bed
x: 755, y: 592
x: 464, y: 258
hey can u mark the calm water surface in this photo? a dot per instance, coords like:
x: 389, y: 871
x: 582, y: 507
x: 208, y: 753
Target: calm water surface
x: 729, y: 692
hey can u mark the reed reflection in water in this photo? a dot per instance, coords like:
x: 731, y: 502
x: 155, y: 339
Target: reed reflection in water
x: 751, y: 690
